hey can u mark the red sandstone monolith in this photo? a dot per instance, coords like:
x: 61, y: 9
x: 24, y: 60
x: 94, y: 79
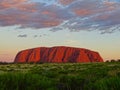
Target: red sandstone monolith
x: 58, y: 54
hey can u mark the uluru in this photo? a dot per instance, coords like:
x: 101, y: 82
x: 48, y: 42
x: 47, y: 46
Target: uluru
x: 58, y: 54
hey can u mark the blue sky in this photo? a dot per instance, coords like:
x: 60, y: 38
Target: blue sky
x: 92, y: 24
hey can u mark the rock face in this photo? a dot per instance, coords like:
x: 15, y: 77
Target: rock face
x: 59, y: 54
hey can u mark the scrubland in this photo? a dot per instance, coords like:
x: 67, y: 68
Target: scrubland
x: 60, y: 76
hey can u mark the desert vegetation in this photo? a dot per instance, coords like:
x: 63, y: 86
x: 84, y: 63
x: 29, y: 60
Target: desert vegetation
x: 113, y: 60
x: 60, y: 76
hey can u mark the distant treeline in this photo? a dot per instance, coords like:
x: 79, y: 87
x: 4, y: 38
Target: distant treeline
x: 113, y: 60
x: 4, y: 63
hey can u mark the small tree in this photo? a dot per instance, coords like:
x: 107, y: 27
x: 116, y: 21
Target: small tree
x: 118, y: 60
x: 113, y: 60
x: 107, y: 61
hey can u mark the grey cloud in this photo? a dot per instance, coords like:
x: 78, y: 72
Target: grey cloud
x: 22, y: 36
x: 94, y: 15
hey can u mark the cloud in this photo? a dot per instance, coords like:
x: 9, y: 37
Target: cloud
x: 10, y: 3
x: 42, y: 35
x: 35, y: 36
x: 94, y: 15
x: 66, y: 2
x: 22, y: 36
x: 74, y: 15
x: 31, y: 15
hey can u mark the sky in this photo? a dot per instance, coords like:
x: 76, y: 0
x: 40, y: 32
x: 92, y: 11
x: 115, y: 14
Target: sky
x: 91, y: 24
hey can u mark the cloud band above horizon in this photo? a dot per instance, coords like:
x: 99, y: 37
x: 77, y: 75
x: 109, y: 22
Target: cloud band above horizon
x: 74, y: 15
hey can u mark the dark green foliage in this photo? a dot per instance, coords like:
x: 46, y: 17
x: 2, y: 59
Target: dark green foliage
x: 71, y: 83
x: 112, y: 83
x: 56, y: 76
x: 24, y: 81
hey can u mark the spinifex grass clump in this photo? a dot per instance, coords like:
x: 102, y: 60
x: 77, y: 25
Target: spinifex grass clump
x: 67, y: 76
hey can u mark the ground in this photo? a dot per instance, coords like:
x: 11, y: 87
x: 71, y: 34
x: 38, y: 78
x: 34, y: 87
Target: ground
x: 60, y: 76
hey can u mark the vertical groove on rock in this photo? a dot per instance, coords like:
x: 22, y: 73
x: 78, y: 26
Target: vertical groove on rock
x: 54, y: 53
x: 65, y: 52
x: 42, y: 54
x: 28, y: 56
x: 74, y: 56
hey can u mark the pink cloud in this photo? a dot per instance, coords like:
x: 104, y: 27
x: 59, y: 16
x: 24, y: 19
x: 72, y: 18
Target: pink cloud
x: 27, y: 8
x: 11, y: 3
x: 50, y: 23
x: 66, y: 2
x: 82, y: 12
x: 26, y: 14
x: 49, y: 13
